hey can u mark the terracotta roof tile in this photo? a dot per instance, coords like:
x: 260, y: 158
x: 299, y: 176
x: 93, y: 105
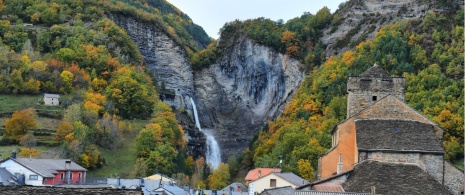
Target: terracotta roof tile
x: 328, y: 188
x: 253, y: 174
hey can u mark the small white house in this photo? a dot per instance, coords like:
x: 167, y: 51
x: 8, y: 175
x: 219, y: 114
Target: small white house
x: 274, y: 180
x: 51, y: 99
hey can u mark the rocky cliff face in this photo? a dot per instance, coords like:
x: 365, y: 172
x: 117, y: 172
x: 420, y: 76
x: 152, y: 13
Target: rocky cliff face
x: 360, y: 20
x: 162, y: 55
x: 235, y: 97
x: 250, y: 85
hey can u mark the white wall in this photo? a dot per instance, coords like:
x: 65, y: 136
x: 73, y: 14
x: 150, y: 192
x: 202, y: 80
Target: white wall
x: 264, y: 183
x: 51, y: 101
x: 13, y: 167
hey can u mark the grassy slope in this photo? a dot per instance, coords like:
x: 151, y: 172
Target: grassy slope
x: 120, y: 162
x: 11, y: 103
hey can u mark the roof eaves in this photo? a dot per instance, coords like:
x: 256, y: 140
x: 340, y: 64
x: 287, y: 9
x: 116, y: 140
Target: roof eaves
x: 401, y: 151
x: 31, y: 169
x: 332, y: 177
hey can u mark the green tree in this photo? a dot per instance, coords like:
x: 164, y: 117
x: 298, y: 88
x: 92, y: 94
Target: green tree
x: 220, y: 177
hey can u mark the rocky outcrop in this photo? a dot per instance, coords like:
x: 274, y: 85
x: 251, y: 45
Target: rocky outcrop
x: 235, y: 97
x: 249, y: 85
x: 162, y: 55
x: 360, y: 20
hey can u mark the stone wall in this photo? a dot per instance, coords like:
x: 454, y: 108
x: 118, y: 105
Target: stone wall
x: 430, y: 163
x: 453, y: 177
x: 363, y: 92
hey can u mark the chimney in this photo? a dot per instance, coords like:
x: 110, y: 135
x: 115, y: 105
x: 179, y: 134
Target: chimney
x: 68, y: 173
x: 67, y: 164
x: 259, y: 173
x: 13, y: 154
x: 339, y: 165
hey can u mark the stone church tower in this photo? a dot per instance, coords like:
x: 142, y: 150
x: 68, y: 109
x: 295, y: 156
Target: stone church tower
x: 371, y: 86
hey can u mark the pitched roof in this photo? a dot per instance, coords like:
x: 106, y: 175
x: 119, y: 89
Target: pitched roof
x: 312, y: 192
x: 396, y: 135
x: 392, y: 178
x: 375, y: 72
x: 49, y: 95
x: 175, y: 190
x: 328, y: 187
x: 47, y: 167
x: 236, y: 187
x: 6, y: 177
x: 252, y: 175
x: 292, y: 178
x: 279, y: 191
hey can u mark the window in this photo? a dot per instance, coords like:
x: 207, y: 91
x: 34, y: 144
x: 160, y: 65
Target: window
x: 374, y: 98
x: 62, y: 176
x: 80, y: 175
x: 33, y: 177
x: 272, y: 183
x: 71, y: 176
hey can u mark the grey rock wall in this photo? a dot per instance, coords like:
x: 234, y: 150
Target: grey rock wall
x: 250, y: 85
x: 164, y: 57
x: 235, y: 97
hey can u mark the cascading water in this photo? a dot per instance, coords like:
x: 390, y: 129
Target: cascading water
x: 213, y: 154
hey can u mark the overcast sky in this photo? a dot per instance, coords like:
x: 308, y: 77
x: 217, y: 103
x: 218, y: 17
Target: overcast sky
x: 212, y: 14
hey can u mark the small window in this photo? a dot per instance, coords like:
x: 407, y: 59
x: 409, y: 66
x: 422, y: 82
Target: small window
x: 272, y: 183
x: 62, y: 177
x: 33, y: 177
x: 71, y: 176
x: 375, y: 98
x: 80, y: 175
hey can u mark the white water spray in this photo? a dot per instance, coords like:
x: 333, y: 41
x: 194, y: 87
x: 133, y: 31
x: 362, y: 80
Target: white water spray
x: 213, y: 149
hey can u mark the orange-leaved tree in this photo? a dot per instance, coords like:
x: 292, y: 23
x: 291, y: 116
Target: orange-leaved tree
x: 20, y: 123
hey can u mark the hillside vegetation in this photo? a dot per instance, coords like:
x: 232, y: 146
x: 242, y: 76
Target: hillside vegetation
x: 427, y: 52
x: 73, y: 49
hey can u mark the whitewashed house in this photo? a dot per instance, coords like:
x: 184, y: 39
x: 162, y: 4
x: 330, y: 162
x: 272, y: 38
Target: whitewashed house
x: 44, y: 172
x: 275, y: 180
x: 51, y: 99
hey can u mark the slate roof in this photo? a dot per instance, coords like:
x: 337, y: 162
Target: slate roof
x: 396, y: 135
x: 6, y: 177
x: 252, y: 175
x: 175, y: 190
x: 235, y: 186
x: 292, y: 178
x: 375, y: 72
x: 47, y: 167
x: 49, y: 95
x: 279, y: 191
x: 312, y: 192
x: 392, y: 178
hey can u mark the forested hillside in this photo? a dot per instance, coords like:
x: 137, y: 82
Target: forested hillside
x: 427, y: 52
x: 71, y: 48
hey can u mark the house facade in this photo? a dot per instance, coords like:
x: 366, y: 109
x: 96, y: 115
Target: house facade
x: 381, y: 127
x: 41, y: 172
x: 275, y: 180
x: 51, y: 99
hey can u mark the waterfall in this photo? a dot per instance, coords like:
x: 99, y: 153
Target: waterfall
x: 213, y: 154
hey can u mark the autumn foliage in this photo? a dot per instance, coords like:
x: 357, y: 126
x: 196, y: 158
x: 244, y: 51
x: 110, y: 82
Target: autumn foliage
x: 20, y: 124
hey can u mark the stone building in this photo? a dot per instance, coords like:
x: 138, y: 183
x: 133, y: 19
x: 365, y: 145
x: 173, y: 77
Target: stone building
x: 381, y: 128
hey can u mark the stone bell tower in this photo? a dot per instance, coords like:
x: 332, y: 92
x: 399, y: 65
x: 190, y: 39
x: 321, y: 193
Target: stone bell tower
x: 371, y: 86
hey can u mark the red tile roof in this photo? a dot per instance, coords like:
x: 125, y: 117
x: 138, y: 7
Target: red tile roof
x: 328, y: 188
x: 253, y: 174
